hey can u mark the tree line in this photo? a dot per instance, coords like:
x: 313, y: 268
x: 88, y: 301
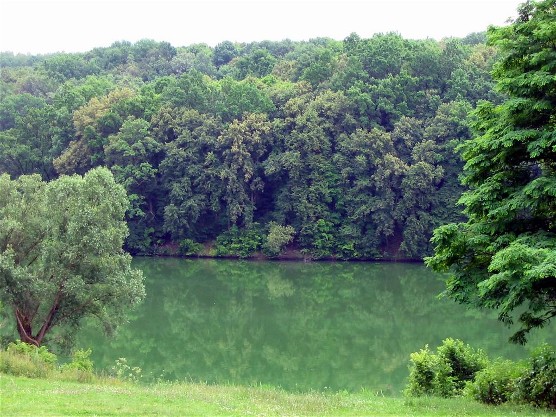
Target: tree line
x: 340, y: 148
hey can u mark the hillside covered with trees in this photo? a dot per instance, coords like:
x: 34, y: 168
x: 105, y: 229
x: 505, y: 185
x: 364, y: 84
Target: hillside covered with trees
x: 336, y: 148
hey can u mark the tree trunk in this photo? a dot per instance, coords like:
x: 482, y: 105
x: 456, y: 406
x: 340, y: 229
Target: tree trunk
x: 24, y: 324
x: 24, y: 329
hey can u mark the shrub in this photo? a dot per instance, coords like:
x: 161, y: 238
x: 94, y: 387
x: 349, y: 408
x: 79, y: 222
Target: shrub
x: 496, y: 383
x: 22, y: 359
x: 241, y: 243
x: 456, y: 366
x: 80, y: 368
x: 463, y: 360
x: 428, y: 375
x: 278, y: 236
x: 123, y: 371
x: 537, y: 384
x: 189, y: 247
x: 20, y: 365
x: 445, y: 373
x: 324, y: 241
x: 41, y: 354
x: 347, y: 250
x: 80, y: 360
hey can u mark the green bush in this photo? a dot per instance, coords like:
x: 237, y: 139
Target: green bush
x: 537, y: 384
x: 457, y: 368
x: 428, y: 375
x: 278, y: 237
x: 80, y: 368
x: 445, y: 373
x: 239, y: 242
x: 41, y: 354
x: 188, y: 247
x: 22, y: 359
x: 80, y: 360
x: 20, y: 365
x: 463, y: 360
x: 496, y: 383
x: 324, y: 240
x: 123, y: 371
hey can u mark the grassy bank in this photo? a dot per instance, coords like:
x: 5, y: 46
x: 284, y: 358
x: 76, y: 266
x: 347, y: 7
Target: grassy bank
x: 22, y: 396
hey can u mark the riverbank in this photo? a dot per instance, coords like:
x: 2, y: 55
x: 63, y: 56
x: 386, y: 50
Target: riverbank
x: 22, y: 396
x: 290, y: 253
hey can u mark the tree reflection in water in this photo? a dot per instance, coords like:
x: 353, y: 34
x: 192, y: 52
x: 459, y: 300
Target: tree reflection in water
x: 300, y: 326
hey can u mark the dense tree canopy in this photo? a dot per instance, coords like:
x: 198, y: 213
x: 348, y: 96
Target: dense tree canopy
x: 504, y: 256
x: 349, y: 143
x: 61, y: 255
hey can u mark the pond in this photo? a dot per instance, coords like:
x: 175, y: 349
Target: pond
x: 299, y: 326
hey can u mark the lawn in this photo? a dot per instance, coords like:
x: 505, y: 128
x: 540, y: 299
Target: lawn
x: 20, y: 396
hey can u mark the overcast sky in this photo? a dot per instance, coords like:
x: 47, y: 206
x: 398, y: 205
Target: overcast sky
x: 80, y: 25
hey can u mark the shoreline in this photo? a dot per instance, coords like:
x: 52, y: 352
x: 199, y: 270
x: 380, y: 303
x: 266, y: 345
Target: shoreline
x: 291, y: 255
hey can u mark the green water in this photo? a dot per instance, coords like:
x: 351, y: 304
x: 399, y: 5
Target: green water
x: 301, y: 326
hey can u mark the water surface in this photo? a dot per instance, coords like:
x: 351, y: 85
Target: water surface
x: 300, y: 326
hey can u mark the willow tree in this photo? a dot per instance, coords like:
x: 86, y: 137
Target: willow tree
x: 504, y: 256
x: 61, y: 255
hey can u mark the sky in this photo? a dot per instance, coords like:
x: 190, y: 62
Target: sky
x: 47, y: 26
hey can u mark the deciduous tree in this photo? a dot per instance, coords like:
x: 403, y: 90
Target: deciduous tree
x: 61, y: 255
x: 504, y: 256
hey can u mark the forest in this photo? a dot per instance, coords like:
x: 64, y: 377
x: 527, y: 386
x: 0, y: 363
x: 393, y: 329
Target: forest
x: 335, y: 149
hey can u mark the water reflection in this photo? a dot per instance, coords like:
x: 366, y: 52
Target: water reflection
x: 301, y: 326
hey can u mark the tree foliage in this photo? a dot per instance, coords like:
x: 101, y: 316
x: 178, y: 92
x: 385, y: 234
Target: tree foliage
x: 61, y: 255
x: 504, y: 256
x: 350, y: 143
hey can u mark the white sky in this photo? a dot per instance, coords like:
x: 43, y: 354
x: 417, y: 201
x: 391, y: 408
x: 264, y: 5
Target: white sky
x: 79, y: 25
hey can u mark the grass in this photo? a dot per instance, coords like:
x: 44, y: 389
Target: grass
x: 32, y: 384
x: 22, y: 396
